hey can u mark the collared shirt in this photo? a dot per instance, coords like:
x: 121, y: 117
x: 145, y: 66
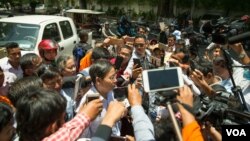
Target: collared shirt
x: 70, y: 130
x: 7, y: 67
x: 145, y: 64
x: 89, y: 132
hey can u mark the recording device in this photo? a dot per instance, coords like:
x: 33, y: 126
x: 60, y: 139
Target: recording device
x: 120, y: 93
x: 223, y: 29
x: 117, y: 138
x: 222, y: 109
x: 118, y: 62
x: 93, y: 96
x: 137, y: 62
x: 155, y: 80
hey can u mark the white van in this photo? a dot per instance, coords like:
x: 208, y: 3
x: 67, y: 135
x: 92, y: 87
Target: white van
x: 28, y: 31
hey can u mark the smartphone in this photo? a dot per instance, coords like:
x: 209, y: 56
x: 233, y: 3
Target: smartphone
x: 120, y: 93
x: 93, y: 96
x: 117, y: 138
x: 118, y: 62
x: 138, y: 62
x: 155, y: 80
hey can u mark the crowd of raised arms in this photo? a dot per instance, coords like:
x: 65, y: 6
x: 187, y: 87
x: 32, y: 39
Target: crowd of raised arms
x: 42, y: 99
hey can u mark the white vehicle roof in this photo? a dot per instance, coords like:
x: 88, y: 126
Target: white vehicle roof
x: 32, y: 19
x: 84, y: 11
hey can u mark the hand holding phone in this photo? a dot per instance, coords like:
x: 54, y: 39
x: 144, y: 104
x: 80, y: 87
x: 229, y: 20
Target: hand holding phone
x: 120, y: 93
x: 137, y: 62
x: 93, y: 96
x: 118, y: 62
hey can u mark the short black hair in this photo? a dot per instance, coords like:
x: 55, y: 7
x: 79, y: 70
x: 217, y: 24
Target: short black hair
x: 82, y: 33
x: 22, y: 86
x: 11, y: 45
x: 164, y: 130
x: 36, y: 111
x: 27, y: 60
x: 140, y: 36
x: 99, y: 69
x: 100, y: 53
x: 46, y: 72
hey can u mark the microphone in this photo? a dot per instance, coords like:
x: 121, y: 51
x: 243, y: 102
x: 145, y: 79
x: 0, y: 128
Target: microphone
x: 239, y: 38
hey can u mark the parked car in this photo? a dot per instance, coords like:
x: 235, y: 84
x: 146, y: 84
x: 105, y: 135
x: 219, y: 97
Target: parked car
x: 28, y: 31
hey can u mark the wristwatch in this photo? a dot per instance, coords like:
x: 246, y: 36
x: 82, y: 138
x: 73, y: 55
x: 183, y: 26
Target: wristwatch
x: 242, y: 55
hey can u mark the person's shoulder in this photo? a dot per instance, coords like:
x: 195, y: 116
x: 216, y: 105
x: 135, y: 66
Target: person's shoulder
x: 3, y: 60
x: 11, y: 77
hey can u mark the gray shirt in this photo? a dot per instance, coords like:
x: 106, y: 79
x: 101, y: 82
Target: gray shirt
x: 143, y: 127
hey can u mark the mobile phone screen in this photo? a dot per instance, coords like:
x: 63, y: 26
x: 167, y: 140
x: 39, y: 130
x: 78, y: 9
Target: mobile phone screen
x: 118, y: 62
x: 92, y: 97
x: 120, y: 93
x: 138, y: 62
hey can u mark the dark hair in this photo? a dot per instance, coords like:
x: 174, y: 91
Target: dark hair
x: 164, y: 130
x: 220, y: 61
x: 22, y: 87
x: 140, y: 36
x: 36, y: 111
x: 172, y: 36
x: 6, y: 115
x: 100, y: 53
x: 27, y: 60
x: 48, y: 72
x: 99, y: 69
x: 82, y: 33
x: 205, y: 68
x: 11, y: 45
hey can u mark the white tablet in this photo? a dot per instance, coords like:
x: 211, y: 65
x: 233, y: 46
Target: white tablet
x: 162, y: 79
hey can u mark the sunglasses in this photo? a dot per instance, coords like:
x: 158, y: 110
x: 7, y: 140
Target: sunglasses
x: 138, y: 45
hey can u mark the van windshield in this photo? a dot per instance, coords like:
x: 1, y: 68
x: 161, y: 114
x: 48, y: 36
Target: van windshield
x: 23, y: 34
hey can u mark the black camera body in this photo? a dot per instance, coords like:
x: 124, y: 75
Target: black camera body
x: 222, y: 109
x: 222, y: 29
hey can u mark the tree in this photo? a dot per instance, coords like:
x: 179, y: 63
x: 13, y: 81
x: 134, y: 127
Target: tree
x: 83, y: 4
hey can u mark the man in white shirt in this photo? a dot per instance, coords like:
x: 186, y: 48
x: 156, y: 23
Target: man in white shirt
x: 11, y: 63
x: 140, y: 52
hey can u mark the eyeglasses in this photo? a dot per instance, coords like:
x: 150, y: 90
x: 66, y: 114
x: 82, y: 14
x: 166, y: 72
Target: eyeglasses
x: 139, y: 45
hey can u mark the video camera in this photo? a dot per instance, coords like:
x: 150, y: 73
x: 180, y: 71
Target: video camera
x: 223, y: 29
x: 222, y: 109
